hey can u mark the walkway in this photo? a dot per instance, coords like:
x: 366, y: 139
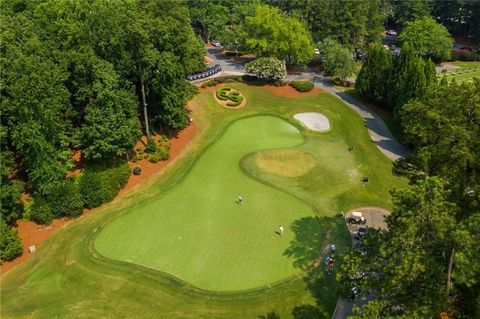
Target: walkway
x: 379, y: 132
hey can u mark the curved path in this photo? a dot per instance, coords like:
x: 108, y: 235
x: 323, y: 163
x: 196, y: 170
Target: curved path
x: 379, y: 132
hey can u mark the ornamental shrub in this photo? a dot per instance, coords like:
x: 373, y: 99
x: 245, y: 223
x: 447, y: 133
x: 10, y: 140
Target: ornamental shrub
x: 267, y: 68
x: 151, y: 146
x: 40, y: 211
x: 66, y: 199
x: 10, y: 244
x: 137, y: 170
x: 99, y: 184
x: 302, y: 86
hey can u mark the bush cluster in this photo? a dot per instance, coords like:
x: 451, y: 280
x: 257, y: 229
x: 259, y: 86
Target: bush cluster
x: 151, y: 146
x: 66, y: 199
x: 99, y: 184
x: 40, y: 211
x: 302, y: 86
x: 463, y: 55
x: 163, y: 150
x: 209, y: 83
x: 10, y: 245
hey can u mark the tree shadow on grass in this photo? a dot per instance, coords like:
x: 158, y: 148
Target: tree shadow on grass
x: 306, y: 312
x: 306, y: 245
x: 311, y: 243
x: 270, y: 315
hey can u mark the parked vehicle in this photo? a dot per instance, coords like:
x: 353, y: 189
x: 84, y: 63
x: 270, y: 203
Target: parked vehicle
x: 356, y: 218
x: 362, y: 231
x: 208, y: 72
x: 216, y: 44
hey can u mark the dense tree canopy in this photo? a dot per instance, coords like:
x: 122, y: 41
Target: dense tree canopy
x: 73, y: 74
x: 337, y: 59
x: 425, y: 262
x: 428, y: 38
x: 410, y: 78
x: 271, y: 33
x: 373, y: 79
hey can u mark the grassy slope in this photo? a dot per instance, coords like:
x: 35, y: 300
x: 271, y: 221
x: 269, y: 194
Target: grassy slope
x: 69, y: 278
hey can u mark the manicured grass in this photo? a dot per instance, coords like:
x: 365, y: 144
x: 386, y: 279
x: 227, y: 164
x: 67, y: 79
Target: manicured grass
x: 71, y: 277
x: 466, y: 71
x: 196, y: 230
x: 466, y: 64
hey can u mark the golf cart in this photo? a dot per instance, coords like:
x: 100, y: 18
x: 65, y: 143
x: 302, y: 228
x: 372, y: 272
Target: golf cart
x: 356, y: 218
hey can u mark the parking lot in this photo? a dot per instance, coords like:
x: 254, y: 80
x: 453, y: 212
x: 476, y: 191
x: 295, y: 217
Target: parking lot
x: 374, y: 218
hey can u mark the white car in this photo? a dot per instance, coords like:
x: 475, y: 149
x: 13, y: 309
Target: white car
x: 216, y: 44
x: 317, y: 51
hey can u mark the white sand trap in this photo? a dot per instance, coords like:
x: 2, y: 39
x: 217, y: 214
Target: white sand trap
x: 314, y: 121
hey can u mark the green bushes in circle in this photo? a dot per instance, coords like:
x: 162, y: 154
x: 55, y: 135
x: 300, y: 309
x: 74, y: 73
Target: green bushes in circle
x: 226, y: 93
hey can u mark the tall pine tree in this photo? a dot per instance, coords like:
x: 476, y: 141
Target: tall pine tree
x: 373, y: 77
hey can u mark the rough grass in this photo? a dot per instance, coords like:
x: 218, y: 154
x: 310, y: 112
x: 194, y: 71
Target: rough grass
x: 69, y: 278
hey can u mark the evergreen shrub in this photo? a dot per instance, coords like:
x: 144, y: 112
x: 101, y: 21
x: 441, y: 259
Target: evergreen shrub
x: 302, y: 86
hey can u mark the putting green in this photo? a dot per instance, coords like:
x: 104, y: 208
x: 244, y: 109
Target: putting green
x: 197, y: 232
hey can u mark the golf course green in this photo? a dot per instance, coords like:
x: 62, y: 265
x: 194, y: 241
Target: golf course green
x: 180, y: 246
x: 198, y: 231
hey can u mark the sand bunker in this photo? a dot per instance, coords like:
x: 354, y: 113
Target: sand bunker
x: 314, y: 121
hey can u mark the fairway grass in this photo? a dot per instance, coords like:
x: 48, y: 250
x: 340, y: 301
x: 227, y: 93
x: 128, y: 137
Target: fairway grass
x: 126, y: 259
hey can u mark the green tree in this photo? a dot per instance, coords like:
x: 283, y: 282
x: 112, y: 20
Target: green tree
x: 337, y: 59
x: 406, y: 265
x: 10, y: 244
x: 111, y: 126
x: 267, y: 68
x: 11, y: 190
x: 444, y: 129
x: 271, y: 33
x: 411, y: 77
x: 428, y: 38
x: 410, y: 10
x: 347, y: 21
x: 372, y: 81
x: 210, y: 15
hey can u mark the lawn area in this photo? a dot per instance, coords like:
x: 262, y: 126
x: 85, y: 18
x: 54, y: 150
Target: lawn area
x: 466, y: 71
x: 179, y: 246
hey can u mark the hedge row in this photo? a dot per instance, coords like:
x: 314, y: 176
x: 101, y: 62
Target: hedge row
x: 235, y: 102
x: 302, y: 86
x: 222, y: 93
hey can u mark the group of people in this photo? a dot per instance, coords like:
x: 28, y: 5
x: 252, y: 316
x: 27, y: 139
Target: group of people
x: 281, y: 230
x: 329, y: 261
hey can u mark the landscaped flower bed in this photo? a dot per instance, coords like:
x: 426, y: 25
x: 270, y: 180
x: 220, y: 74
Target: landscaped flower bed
x: 232, y: 97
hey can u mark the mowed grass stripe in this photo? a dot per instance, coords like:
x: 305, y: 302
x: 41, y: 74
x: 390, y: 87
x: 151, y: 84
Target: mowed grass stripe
x: 197, y: 232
